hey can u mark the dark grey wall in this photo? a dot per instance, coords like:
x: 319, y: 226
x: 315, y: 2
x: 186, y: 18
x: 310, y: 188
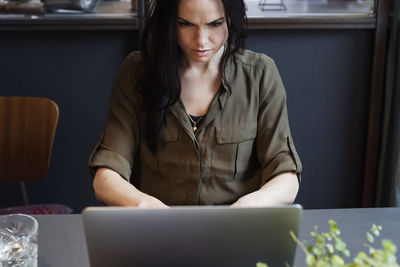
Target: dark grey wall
x: 326, y: 73
x: 76, y: 70
x: 327, y: 77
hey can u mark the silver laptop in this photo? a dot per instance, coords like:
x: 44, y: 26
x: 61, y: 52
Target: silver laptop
x: 191, y: 236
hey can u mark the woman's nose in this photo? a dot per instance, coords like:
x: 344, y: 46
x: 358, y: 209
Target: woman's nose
x: 201, y: 37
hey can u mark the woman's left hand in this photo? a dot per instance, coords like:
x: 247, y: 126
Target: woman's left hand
x: 251, y: 200
x: 281, y: 190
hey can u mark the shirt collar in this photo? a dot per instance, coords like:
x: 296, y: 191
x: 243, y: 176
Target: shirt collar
x: 227, y: 74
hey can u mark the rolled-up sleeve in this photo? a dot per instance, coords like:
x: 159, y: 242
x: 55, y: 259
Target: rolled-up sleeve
x: 275, y: 147
x: 119, y: 140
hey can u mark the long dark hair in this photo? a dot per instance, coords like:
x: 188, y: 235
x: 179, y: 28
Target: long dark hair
x: 158, y: 77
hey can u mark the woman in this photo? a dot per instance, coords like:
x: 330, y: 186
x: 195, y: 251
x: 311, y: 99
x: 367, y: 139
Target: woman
x: 196, y: 118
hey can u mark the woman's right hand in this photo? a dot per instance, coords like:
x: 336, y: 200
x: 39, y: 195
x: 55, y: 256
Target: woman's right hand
x: 113, y: 190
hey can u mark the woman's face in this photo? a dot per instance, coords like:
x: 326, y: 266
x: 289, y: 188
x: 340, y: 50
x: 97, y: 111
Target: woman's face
x: 202, y: 29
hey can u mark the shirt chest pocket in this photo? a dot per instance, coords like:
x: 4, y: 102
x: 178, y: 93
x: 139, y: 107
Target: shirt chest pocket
x: 234, y: 153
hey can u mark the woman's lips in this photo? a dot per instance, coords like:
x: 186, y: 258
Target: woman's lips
x: 201, y: 52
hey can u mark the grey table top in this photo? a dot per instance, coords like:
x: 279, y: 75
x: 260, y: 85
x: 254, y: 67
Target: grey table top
x: 62, y: 242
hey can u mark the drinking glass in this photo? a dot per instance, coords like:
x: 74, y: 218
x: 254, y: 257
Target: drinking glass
x: 18, y: 240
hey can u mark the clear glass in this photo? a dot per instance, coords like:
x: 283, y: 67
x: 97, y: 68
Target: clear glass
x: 18, y: 241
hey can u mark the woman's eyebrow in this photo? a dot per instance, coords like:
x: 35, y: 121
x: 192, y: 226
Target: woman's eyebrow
x: 184, y: 20
x: 217, y: 20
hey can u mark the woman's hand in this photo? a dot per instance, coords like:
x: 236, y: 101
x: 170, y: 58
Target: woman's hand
x: 149, y: 202
x: 281, y: 190
x: 113, y: 190
x: 250, y: 200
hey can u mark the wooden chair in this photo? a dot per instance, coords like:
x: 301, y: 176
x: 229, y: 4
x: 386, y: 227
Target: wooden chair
x: 27, y: 129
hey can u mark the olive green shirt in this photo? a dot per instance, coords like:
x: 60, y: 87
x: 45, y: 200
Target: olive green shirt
x: 242, y: 141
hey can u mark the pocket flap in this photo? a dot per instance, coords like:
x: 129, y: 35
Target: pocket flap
x: 236, y: 133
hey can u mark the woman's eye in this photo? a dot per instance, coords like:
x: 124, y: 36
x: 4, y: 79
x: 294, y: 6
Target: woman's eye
x: 216, y: 24
x: 184, y: 24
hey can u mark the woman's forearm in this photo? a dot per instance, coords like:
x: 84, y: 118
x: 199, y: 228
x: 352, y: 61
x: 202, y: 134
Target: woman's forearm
x: 280, y: 190
x: 113, y: 190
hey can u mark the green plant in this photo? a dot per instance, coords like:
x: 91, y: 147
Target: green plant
x: 330, y: 250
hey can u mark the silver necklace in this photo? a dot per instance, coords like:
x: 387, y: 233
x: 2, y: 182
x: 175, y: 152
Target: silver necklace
x: 195, y: 122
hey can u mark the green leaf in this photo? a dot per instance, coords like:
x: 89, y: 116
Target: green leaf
x: 261, y: 264
x: 362, y: 256
x: 314, y: 233
x: 388, y: 246
x: 317, y: 251
x: 346, y: 252
x: 334, y: 227
x: 370, y: 237
x: 340, y: 245
x: 335, y: 259
x: 371, y: 251
x: 376, y: 229
x: 330, y: 248
x: 310, y: 259
x: 320, y: 239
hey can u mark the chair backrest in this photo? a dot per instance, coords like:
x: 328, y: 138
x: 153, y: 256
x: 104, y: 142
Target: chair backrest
x: 27, y: 129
